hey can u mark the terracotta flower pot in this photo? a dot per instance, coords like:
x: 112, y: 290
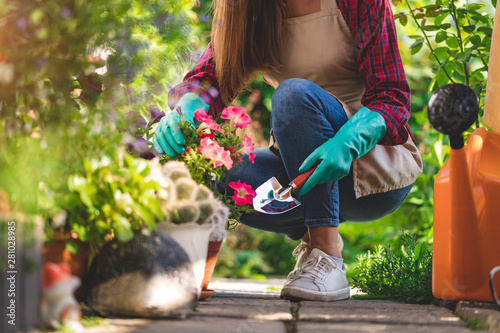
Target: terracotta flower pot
x: 213, y: 252
x: 55, y: 251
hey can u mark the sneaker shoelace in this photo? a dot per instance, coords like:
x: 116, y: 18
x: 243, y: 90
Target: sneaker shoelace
x: 300, y: 249
x: 299, y: 253
x: 316, y: 266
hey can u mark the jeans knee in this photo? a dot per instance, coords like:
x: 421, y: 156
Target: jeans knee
x: 291, y: 92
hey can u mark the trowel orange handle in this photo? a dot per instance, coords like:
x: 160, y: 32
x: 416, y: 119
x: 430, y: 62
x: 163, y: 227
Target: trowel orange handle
x: 301, y: 179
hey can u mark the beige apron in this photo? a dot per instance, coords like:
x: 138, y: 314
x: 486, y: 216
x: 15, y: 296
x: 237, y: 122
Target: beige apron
x: 320, y: 48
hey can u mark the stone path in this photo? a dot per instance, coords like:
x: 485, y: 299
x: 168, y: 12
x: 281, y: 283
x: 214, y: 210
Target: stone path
x: 254, y: 306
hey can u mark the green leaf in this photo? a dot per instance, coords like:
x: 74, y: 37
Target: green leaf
x: 452, y: 42
x: 459, y: 76
x: 144, y: 215
x: 419, y: 253
x: 417, y: 46
x: 477, y: 76
x: 80, y: 230
x: 458, y: 66
x: 416, y: 37
x: 477, y: 89
x: 442, y: 79
x: 469, y: 28
x: 72, y: 247
x: 441, y: 52
x: 475, y: 40
x: 122, y: 228
x: 478, y: 17
x: 416, y: 201
x: 431, y: 11
x: 494, y: 3
x: 485, y: 30
x: 432, y: 85
x: 439, y: 20
x: 452, y: 53
x: 475, y: 6
x: 403, y: 19
x: 430, y: 27
x: 464, y: 56
x: 441, y: 36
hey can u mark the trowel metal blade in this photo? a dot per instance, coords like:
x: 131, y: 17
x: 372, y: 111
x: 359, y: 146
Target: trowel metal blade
x: 266, y: 203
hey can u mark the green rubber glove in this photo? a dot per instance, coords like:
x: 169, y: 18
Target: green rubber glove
x: 168, y: 138
x: 354, y: 139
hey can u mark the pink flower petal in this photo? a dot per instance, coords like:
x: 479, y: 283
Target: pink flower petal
x: 251, y: 157
x: 247, y: 144
x: 238, y: 116
x: 243, y: 193
x: 217, y: 155
x: 207, y: 121
x: 201, y: 115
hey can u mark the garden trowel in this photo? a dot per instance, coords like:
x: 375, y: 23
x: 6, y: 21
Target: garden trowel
x: 272, y: 198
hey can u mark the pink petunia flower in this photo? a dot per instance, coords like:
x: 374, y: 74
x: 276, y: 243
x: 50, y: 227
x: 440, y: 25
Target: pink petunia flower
x: 223, y: 157
x: 247, y: 146
x: 237, y: 116
x: 243, y: 193
x: 217, y: 155
x: 207, y: 146
x: 206, y: 121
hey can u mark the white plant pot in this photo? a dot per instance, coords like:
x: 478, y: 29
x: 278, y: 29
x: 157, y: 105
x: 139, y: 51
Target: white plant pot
x: 193, y: 238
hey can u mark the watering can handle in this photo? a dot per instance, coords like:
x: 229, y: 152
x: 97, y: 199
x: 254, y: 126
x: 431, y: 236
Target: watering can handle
x: 492, y: 286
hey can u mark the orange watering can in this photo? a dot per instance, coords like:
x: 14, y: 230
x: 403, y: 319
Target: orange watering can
x: 466, y: 249
x: 466, y: 261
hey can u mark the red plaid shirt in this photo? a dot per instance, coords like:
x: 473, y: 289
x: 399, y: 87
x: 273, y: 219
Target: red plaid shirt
x: 387, y: 92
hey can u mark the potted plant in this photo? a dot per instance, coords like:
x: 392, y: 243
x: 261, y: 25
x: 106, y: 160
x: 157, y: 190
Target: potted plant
x: 190, y: 210
x: 211, y: 148
x: 99, y: 195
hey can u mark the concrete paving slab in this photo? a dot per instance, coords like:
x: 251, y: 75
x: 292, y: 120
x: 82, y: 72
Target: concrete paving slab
x: 487, y: 314
x: 255, y: 306
x: 251, y: 308
x: 304, y: 327
x: 247, y: 288
x: 377, y: 311
x: 195, y: 324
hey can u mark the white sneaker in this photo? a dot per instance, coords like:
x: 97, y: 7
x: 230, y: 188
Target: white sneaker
x: 301, y: 253
x: 319, y: 279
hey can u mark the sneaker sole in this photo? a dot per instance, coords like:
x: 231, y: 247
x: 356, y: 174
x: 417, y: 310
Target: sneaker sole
x: 299, y: 294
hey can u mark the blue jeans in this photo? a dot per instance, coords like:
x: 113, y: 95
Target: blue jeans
x: 303, y: 117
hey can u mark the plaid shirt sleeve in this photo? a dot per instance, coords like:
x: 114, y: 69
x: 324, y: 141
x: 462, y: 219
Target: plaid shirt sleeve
x: 202, y: 81
x: 380, y: 67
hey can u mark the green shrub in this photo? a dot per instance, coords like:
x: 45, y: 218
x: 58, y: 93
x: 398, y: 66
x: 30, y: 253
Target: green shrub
x: 403, y: 273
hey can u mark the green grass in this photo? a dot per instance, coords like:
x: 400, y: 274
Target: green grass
x: 473, y: 323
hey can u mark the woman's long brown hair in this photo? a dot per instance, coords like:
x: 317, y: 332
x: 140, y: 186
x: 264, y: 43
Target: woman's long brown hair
x: 247, y: 38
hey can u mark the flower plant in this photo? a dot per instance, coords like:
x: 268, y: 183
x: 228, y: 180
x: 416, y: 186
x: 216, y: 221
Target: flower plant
x: 213, y: 147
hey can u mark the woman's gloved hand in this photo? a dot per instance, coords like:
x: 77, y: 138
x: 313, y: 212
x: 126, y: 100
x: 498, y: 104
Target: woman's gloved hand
x: 168, y: 138
x: 354, y: 139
